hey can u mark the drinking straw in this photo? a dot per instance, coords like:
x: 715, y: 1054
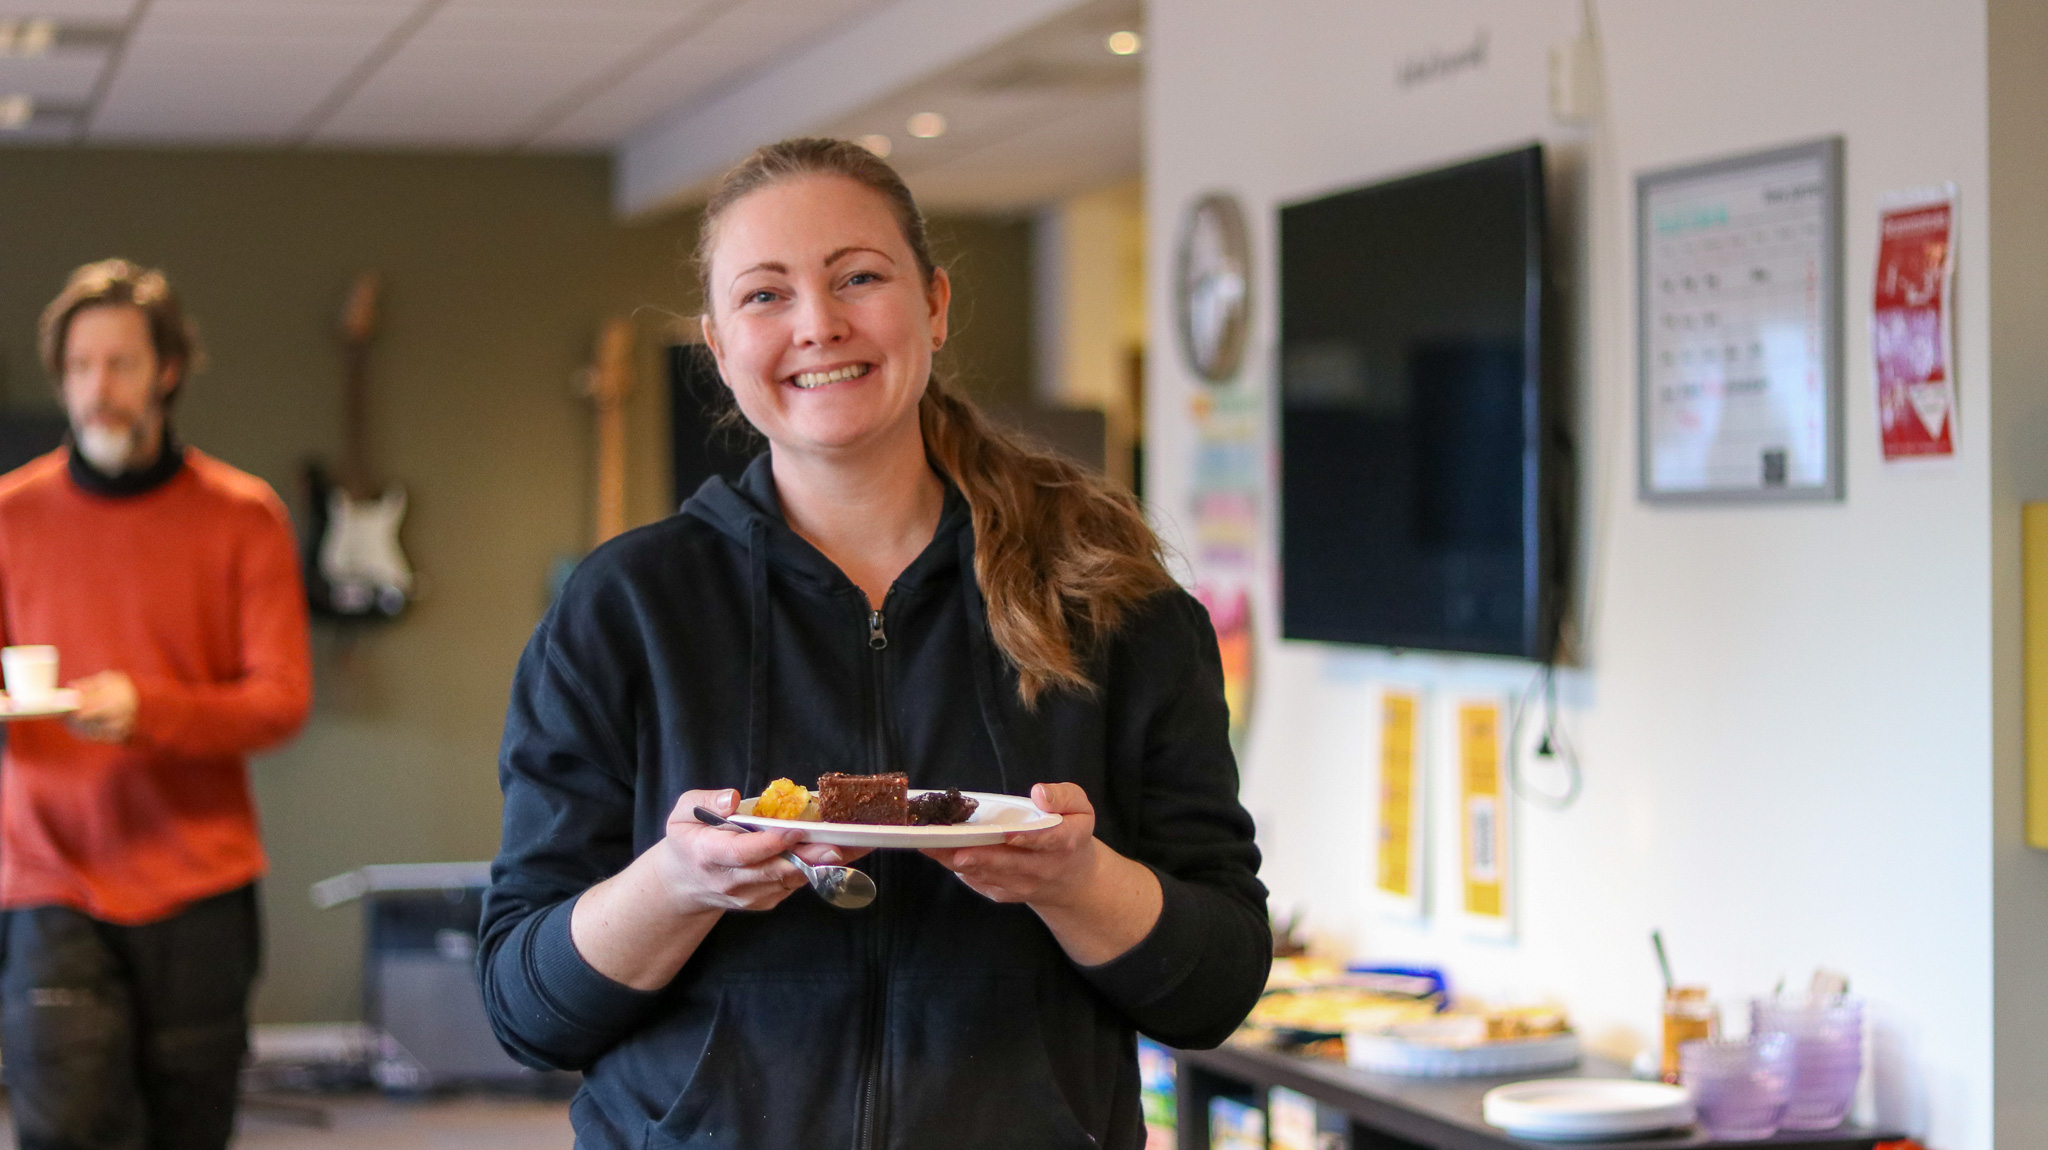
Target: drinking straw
x: 1663, y: 962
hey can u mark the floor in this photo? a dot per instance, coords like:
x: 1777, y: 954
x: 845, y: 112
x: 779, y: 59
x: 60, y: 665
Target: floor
x: 371, y: 1122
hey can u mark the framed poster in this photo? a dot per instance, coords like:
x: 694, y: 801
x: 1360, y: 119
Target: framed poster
x: 1739, y: 327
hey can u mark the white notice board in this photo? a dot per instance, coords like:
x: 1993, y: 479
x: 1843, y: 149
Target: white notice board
x: 1739, y: 327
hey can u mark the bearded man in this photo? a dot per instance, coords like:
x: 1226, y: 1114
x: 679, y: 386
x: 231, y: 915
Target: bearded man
x: 169, y: 584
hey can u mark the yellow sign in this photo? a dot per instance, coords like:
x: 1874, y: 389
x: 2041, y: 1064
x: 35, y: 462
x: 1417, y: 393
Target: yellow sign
x: 1483, y: 809
x: 1397, y: 795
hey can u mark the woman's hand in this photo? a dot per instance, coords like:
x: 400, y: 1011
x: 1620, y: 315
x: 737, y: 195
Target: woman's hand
x: 642, y: 924
x: 1048, y: 866
x: 713, y: 868
x: 1096, y: 902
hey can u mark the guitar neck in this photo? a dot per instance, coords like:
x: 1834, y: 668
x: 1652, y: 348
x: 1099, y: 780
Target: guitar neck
x: 355, y: 433
x: 358, y: 328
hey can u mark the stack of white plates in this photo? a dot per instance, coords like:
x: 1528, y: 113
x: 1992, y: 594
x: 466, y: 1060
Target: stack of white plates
x: 1586, y: 1109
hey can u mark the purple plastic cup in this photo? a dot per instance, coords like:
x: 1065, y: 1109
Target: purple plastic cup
x: 1827, y: 1056
x: 1739, y: 1086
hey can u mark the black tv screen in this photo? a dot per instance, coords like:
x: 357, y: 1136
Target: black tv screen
x: 1413, y: 410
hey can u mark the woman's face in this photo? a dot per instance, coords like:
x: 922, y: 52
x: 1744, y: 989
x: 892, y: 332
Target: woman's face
x: 818, y: 317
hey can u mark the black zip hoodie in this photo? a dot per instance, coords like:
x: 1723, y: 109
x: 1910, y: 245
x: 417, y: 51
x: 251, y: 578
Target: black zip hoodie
x: 717, y: 648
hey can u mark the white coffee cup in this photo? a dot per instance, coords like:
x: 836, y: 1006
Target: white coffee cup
x: 30, y: 672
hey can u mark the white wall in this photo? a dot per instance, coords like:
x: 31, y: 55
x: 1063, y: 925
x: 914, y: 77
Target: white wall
x: 1785, y: 715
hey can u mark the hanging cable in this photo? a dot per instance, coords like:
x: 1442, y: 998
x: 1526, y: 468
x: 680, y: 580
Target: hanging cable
x: 1552, y: 746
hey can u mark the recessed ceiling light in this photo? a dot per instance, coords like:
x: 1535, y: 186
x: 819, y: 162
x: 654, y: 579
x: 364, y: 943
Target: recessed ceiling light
x: 878, y: 144
x: 27, y: 37
x: 16, y: 111
x: 927, y: 125
x: 1124, y: 43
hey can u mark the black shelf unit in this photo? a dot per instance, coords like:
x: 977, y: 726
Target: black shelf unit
x: 1392, y: 1113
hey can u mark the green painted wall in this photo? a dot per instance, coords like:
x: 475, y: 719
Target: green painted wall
x: 498, y: 271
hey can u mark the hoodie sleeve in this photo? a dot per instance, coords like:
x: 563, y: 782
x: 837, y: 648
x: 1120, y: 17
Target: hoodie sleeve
x: 1199, y: 971
x: 568, y: 825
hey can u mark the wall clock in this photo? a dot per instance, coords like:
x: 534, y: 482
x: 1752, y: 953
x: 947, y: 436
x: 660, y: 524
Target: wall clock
x: 1212, y: 286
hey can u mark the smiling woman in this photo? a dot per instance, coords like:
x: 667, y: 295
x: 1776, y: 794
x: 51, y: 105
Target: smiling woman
x: 896, y: 586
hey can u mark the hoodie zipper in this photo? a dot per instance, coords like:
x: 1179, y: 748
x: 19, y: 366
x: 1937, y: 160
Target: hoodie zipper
x: 878, y: 642
x: 867, y: 1135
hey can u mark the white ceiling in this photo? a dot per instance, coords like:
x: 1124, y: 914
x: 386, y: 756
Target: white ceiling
x: 1047, y: 112
x: 1044, y: 115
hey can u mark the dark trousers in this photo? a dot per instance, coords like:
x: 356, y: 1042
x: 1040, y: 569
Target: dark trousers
x: 127, y: 1037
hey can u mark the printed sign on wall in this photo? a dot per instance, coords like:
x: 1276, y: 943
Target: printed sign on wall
x: 1398, y: 877
x: 1911, y: 325
x: 1483, y: 819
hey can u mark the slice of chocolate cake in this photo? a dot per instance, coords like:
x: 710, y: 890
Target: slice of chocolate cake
x: 941, y: 808
x: 882, y: 800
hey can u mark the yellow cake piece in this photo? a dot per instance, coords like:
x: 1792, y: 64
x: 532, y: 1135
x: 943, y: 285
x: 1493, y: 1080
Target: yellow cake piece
x: 782, y: 800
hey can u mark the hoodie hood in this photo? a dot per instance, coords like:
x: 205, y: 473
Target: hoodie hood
x: 749, y: 509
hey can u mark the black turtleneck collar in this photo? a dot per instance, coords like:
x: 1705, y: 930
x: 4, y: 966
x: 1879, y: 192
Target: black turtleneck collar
x: 169, y: 460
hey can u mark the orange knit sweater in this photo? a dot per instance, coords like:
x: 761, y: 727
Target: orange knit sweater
x: 193, y: 590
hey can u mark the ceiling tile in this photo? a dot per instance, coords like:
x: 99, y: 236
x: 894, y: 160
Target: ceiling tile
x: 257, y: 97
x: 79, y: 11
x: 743, y: 37
x: 247, y: 71
x: 481, y: 71
x: 67, y: 76
x: 621, y: 23
x: 358, y: 22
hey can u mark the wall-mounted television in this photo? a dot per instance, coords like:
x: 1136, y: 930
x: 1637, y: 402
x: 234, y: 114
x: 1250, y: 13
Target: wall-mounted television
x: 1420, y: 434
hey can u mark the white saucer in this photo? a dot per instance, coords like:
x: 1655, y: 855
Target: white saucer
x: 61, y: 701
x: 994, y: 817
x: 1585, y: 1109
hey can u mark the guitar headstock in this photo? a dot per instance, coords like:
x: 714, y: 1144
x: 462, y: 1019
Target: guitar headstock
x: 359, y: 314
x: 609, y: 380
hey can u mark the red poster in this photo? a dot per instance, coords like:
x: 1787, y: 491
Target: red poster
x: 1910, y: 321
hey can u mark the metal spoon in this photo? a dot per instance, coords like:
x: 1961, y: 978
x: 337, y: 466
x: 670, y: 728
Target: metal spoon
x: 841, y: 886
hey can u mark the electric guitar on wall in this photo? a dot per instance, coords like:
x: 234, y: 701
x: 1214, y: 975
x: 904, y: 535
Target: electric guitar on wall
x: 357, y: 569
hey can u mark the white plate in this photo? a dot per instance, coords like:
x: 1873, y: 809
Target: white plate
x: 1584, y: 1109
x: 994, y: 816
x: 1394, y: 1054
x: 61, y: 701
